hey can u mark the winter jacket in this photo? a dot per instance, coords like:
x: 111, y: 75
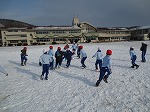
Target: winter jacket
x: 143, y: 47
x: 68, y: 55
x: 74, y: 47
x: 58, y: 55
x: 45, y: 59
x: 106, y: 61
x: 98, y: 55
x: 23, y: 52
x: 83, y: 53
x: 51, y: 53
x: 132, y: 53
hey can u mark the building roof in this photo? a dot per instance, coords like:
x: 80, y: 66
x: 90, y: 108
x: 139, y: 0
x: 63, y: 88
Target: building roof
x: 144, y: 27
x: 57, y: 27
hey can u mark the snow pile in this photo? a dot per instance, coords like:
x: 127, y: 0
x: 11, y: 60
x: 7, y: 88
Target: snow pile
x: 73, y: 89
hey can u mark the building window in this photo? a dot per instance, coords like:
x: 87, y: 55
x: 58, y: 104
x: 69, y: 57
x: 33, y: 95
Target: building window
x: 145, y: 31
x: 12, y: 30
x: 23, y: 35
x: 43, y: 40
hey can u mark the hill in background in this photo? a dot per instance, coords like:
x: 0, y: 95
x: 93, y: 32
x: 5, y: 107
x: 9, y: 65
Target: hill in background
x: 13, y: 23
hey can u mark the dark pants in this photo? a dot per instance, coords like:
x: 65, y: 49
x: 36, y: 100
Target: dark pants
x: 82, y: 61
x: 51, y: 64
x: 45, y: 70
x: 23, y: 58
x: 58, y: 62
x: 133, y: 60
x: 103, y: 72
x: 143, y: 56
x: 98, y: 62
x: 68, y: 62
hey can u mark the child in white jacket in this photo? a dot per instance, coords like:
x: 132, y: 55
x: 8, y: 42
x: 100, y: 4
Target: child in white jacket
x: 99, y: 57
x: 45, y: 60
x: 106, y: 68
x: 83, y: 56
x: 133, y: 58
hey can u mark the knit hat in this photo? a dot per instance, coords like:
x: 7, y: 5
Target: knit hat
x: 109, y: 52
x: 59, y: 48
x: 81, y: 47
x: 51, y: 47
x: 25, y: 48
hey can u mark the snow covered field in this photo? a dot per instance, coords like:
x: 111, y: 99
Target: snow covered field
x: 73, y: 89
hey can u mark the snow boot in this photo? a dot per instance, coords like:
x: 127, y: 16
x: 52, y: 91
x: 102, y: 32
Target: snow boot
x: 22, y: 64
x: 83, y: 66
x: 46, y: 78
x: 97, y: 83
x: 132, y: 66
x: 137, y: 66
x: 41, y: 77
x: 105, y: 79
x: 25, y: 62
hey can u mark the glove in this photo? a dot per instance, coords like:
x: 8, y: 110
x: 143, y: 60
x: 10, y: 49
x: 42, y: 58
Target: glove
x: 40, y: 64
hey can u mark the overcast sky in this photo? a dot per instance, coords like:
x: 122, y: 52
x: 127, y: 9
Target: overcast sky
x: 100, y: 13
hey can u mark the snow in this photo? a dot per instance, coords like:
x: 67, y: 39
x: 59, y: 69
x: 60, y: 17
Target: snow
x: 73, y: 89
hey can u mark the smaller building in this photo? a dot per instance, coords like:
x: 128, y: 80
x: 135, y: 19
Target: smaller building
x: 141, y: 33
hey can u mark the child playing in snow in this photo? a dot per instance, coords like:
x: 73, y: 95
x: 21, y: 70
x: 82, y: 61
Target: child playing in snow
x: 59, y: 57
x: 74, y: 47
x: 98, y: 56
x: 68, y: 57
x: 143, y: 49
x: 51, y: 54
x: 23, y: 56
x: 45, y: 59
x: 106, y: 67
x: 133, y: 58
x: 83, y: 56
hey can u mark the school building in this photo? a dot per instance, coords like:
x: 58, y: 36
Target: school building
x: 79, y: 32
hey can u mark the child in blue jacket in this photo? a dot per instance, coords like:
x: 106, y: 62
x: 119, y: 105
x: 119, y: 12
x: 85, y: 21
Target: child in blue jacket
x: 98, y: 56
x: 83, y: 56
x: 133, y: 58
x: 51, y: 54
x: 106, y: 67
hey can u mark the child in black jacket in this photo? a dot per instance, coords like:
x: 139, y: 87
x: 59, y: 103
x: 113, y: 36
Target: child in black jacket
x: 68, y: 57
x: 59, y: 57
x: 23, y: 56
